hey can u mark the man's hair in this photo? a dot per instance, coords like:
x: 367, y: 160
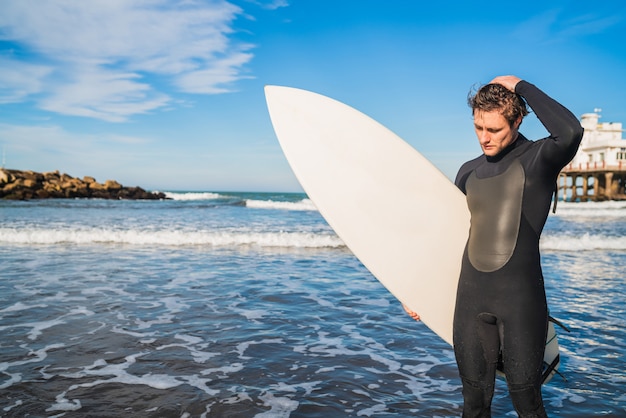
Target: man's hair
x: 496, y: 97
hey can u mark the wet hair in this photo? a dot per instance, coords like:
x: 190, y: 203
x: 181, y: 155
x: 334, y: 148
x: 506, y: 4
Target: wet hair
x: 496, y: 97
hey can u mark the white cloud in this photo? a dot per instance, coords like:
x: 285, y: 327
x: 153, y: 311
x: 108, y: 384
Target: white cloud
x: 560, y: 25
x: 99, y: 93
x: 214, y: 79
x: 590, y: 25
x: 18, y: 81
x: 271, y: 4
x: 100, y: 58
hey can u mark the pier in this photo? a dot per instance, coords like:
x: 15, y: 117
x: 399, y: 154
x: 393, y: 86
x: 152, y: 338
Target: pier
x: 593, y: 182
x: 598, y: 171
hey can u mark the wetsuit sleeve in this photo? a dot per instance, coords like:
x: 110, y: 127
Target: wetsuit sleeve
x: 564, y: 128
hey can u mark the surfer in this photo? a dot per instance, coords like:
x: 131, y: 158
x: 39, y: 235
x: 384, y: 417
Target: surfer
x: 501, y: 307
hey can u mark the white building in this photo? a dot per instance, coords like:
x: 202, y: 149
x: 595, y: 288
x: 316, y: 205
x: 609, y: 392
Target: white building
x: 602, y: 145
x: 598, y: 171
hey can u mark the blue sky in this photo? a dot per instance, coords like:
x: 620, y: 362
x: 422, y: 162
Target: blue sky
x: 168, y: 95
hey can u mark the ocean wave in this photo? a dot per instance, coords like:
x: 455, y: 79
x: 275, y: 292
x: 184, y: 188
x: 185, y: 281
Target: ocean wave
x: 610, y: 209
x: 249, y: 238
x: 240, y: 198
x: 193, y: 195
x: 304, y: 204
x: 47, y: 236
x: 583, y: 242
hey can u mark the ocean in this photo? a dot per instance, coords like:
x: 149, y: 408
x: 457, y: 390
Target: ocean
x: 223, y: 304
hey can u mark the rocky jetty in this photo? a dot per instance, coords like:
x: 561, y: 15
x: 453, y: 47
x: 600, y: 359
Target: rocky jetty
x: 26, y: 185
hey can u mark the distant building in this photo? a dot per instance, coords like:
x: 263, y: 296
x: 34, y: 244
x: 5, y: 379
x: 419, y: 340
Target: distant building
x: 598, y: 171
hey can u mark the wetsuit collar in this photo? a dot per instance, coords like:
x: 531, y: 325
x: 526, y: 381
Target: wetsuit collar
x: 519, y: 141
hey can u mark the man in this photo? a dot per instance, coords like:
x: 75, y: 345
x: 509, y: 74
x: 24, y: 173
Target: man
x: 501, y: 304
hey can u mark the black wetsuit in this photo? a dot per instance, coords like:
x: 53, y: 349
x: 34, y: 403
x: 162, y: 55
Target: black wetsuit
x: 501, y: 302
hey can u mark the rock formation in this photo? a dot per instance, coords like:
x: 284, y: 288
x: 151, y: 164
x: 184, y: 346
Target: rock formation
x: 26, y: 185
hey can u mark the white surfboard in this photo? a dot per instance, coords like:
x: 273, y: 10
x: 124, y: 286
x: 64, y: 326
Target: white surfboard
x: 400, y: 216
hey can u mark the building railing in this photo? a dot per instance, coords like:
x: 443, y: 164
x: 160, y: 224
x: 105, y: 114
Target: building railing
x: 595, y: 166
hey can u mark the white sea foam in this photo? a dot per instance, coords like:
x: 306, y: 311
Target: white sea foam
x: 584, y: 242
x: 612, y: 209
x: 242, y: 347
x: 174, y: 305
x: 16, y: 404
x: 19, y: 306
x: 194, y: 345
x: 118, y: 373
x: 372, y: 411
x: 13, y: 378
x: 304, y: 204
x: 36, y: 327
x: 63, y: 404
x: 193, y: 195
x: 224, y: 370
x: 50, y: 236
x: 36, y: 356
x: 281, y: 407
x: 588, y: 241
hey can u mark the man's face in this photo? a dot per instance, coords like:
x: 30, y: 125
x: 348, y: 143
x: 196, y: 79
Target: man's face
x: 493, y: 131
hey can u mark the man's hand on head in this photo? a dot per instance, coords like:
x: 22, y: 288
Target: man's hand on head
x: 508, y: 81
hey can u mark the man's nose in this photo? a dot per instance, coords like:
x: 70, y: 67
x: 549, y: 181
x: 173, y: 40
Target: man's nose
x: 484, y: 137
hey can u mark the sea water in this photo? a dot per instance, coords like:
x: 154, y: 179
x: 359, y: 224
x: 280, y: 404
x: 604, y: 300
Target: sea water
x: 248, y: 305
